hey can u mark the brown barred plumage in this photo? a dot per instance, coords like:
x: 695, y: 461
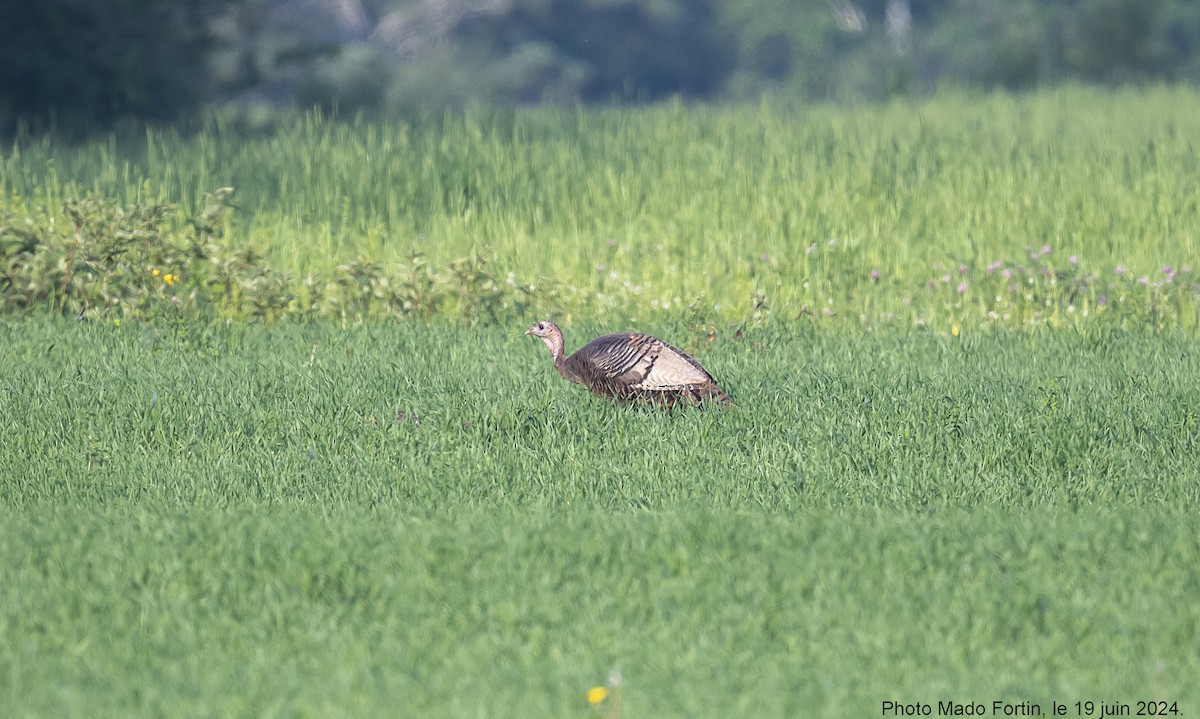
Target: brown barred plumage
x: 633, y: 368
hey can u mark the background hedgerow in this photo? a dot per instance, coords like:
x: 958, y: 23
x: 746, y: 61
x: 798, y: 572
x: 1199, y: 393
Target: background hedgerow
x: 139, y: 261
x: 130, y: 261
x: 847, y: 217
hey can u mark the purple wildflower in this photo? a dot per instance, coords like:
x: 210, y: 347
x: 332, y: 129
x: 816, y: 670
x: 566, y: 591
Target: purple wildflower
x: 962, y: 287
x: 1073, y: 260
x: 1120, y: 270
x: 1102, y: 300
x: 874, y: 275
x: 1007, y: 273
x: 1045, y: 250
x: 962, y: 270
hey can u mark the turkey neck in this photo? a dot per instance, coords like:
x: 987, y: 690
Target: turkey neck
x: 555, y: 343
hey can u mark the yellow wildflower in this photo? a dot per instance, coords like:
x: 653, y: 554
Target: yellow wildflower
x: 155, y: 272
x: 595, y: 695
x: 954, y: 330
x: 170, y: 280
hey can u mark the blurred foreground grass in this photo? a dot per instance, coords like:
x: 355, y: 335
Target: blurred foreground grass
x: 307, y: 610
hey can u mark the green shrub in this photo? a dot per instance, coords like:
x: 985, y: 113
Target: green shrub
x: 132, y: 261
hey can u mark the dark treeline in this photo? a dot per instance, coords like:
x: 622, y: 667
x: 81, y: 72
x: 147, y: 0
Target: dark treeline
x: 76, y: 64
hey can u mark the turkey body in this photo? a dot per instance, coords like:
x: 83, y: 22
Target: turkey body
x: 632, y: 368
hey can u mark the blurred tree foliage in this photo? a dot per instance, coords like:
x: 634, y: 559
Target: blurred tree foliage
x: 78, y: 63
x: 872, y: 48
x: 624, y: 50
x: 74, y: 63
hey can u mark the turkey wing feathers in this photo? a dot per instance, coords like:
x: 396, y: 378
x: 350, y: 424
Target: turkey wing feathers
x: 638, y: 362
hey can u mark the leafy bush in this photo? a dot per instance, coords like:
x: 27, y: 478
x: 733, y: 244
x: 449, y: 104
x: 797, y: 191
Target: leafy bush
x: 115, y: 261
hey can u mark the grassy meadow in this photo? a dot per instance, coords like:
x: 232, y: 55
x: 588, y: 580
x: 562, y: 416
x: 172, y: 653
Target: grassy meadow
x: 962, y: 337
x: 313, y: 520
x: 1053, y: 208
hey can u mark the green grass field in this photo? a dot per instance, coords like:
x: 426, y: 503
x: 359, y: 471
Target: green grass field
x: 319, y: 521
x: 972, y: 477
x: 437, y: 420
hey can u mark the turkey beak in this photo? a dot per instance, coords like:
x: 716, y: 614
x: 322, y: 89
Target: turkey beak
x: 529, y: 331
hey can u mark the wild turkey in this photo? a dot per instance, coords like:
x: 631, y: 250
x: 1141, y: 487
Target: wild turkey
x: 633, y: 368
